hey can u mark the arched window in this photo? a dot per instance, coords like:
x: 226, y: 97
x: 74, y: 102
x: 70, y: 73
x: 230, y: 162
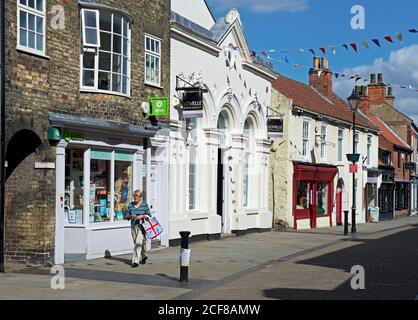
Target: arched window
x: 223, y: 126
x: 248, y: 158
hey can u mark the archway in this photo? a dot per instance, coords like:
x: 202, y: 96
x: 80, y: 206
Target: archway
x: 21, y: 145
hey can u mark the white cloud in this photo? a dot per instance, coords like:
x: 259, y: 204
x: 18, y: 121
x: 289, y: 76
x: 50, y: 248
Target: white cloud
x: 263, y: 6
x: 400, y: 68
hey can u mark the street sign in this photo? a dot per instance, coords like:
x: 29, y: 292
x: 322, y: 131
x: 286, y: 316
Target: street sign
x: 353, y: 168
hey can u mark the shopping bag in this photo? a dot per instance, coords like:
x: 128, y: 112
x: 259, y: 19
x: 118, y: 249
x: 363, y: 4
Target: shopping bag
x: 152, y: 228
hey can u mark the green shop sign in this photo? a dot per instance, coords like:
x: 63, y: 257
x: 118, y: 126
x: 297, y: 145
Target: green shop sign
x: 159, y: 106
x: 69, y: 136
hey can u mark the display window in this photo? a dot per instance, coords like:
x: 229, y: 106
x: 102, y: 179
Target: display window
x: 322, y: 199
x: 110, y: 189
x: 74, y: 179
x: 302, y: 201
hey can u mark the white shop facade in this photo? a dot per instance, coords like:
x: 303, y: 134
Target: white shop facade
x: 219, y: 148
x: 112, y: 161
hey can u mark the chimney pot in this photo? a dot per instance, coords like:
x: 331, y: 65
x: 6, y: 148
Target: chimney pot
x: 373, y: 78
x: 380, y: 78
x: 390, y: 91
x: 325, y: 64
x: 316, y: 61
x: 358, y: 90
x: 363, y: 91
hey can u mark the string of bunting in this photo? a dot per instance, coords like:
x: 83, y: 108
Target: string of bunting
x: 355, y: 46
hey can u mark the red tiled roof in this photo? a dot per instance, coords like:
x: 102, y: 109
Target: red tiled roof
x: 308, y: 98
x: 387, y: 133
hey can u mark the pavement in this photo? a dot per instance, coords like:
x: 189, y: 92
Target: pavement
x: 312, y: 264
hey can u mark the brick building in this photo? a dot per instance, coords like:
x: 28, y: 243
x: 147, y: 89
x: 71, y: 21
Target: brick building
x: 77, y: 74
x: 397, y: 148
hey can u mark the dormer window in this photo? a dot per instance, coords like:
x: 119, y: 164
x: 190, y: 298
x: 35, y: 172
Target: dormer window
x: 106, y: 51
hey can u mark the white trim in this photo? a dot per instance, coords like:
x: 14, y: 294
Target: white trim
x: 83, y: 28
x: 324, y: 142
x: 155, y: 55
x: 36, y: 13
x: 340, y: 162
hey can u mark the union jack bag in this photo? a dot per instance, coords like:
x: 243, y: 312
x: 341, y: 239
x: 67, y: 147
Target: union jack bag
x: 152, y: 228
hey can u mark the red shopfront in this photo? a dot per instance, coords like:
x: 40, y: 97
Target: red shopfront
x: 313, y: 190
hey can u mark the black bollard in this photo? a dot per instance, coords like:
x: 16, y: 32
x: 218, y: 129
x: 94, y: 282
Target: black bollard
x: 184, y: 256
x: 346, y: 213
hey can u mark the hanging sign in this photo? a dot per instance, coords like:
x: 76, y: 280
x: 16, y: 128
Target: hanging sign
x: 275, y: 127
x: 193, y: 104
x: 159, y: 107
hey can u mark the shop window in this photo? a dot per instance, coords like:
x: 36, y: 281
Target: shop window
x: 74, y: 185
x: 100, y: 189
x: 372, y: 195
x: 123, y: 184
x: 322, y: 199
x: 31, y: 26
x: 302, y: 201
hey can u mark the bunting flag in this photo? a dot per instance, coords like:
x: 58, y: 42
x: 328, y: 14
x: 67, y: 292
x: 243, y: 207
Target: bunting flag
x: 377, y: 42
x: 389, y: 39
x: 354, y: 46
x: 345, y: 46
x: 264, y: 54
x: 336, y: 75
x: 286, y: 60
x: 333, y: 49
x: 253, y: 54
x: 366, y: 44
x: 313, y: 51
x: 358, y: 78
x: 413, y: 30
x: 399, y: 36
x: 323, y: 50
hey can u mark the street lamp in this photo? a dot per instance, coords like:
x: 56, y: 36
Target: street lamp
x: 354, y: 101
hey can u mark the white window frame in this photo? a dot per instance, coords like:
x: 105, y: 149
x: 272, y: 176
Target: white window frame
x: 324, y: 131
x: 193, y: 147
x: 155, y: 55
x: 36, y: 13
x: 83, y: 26
x: 307, y: 139
x: 357, y: 142
x: 96, y: 51
x: 340, y: 146
x: 369, y: 149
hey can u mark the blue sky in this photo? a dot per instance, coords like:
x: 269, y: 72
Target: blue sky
x: 293, y: 24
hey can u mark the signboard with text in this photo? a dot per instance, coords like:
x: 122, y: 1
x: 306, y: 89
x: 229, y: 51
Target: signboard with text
x: 159, y: 107
x: 275, y: 128
x: 193, y: 104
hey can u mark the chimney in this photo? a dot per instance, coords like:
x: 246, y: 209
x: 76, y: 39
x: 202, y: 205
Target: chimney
x: 320, y: 77
x: 364, y: 99
x: 390, y: 99
x: 373, y: 78
x: 363, y: 91
x: 377, y: 90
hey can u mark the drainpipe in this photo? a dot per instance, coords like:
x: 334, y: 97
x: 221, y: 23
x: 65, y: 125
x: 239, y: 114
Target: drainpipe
x: 2, y: 129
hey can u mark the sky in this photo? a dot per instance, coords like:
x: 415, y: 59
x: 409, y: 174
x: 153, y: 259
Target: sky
x: 303, y: 24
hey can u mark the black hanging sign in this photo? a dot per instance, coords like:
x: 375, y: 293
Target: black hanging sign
x: 275, y: 127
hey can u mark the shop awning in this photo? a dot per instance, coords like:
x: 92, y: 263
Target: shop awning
x: 303, y: 172
x: 102, y: 126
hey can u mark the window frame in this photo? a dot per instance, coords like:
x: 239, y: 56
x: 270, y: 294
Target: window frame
x: 307, y: 139
x: 340, y: 146
x: 25, y: 8
x: 96, y: 51
x: 369, y: 149
x: 193, y: 154
x: 324, y: 132
x: 152, y: 54
x: 83, y: 26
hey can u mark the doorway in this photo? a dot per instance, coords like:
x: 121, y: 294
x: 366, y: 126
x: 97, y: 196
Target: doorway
x: 220, y: 198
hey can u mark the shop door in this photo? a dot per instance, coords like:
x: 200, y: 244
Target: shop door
x: 313, y: 205
x: 220, y: 202
x: 339, y: 199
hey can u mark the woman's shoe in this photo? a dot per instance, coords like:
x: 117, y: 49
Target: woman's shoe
x: 135, y: 265
x: 144, y: 261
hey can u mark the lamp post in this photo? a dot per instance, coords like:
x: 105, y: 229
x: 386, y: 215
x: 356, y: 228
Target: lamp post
x: 354, y: 101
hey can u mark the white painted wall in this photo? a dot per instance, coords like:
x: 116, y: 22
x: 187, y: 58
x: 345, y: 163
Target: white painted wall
x: 194, y: 10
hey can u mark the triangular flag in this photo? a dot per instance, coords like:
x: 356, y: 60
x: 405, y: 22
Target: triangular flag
x: 323, y: 50
x: 413, y: 31
x: 337, y: 75
x: 313, y: 51
x: 286, y: 60
x: 333, y: 49
x: 365, y: 44
x: 264, y: 53
x: 377, y: 42
x: 354, y: 46
x: 345, y: 46
x: 410, y: 87
x: 343, y: 75
x: 399, y: 36
x: 253, y: 54
x: 358, y: 78
x: 389, y: 39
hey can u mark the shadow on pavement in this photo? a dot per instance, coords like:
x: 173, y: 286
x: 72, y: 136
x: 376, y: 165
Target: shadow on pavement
x: 390, y: 264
